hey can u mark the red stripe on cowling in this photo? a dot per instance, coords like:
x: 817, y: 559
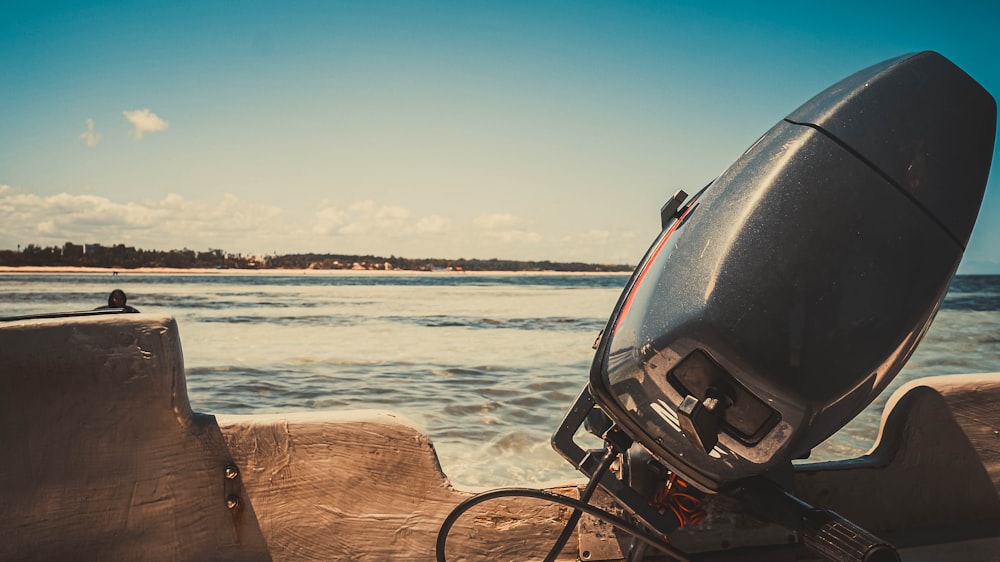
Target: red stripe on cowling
x: 645, y: 269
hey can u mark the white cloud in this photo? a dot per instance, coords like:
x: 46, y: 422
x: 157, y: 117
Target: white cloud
x: 497, y: 221
x: 90, y: 137
x: 46, y: 228
x: 145, y: 121
x: 595, y: 237
x: 514, y: 236
x: 603, y: 246
x: 167, y: 223
x: 505, y: 229
x: 175, y: 221
x: 329, y: 220
x: 362, y: 218
x: 434, y: 224
x: 382, y: 215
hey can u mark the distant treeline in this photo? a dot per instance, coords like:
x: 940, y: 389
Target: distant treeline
x: 127, y: 257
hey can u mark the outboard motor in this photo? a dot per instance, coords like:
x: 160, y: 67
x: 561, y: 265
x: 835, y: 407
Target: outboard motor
x: 782, y: 298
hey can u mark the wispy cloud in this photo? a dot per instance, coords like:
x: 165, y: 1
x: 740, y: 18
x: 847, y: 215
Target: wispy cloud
x: 90, y: 137
x: 496, y: 221
x: 505, y: 228
x: 434, y: 224
x: 145, y: 121
x: 170, y: 222
x: 607, y: 246
x: 175, y: 221
x: 229, y: 222
x: 362, y: 218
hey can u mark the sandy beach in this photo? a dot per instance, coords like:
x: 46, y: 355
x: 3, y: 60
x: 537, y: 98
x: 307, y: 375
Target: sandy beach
x: 58, y: 269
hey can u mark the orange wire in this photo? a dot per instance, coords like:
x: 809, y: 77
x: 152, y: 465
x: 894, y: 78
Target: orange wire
x: 688, y: 509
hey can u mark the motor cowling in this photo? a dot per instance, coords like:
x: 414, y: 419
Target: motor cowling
x: 780, y: 300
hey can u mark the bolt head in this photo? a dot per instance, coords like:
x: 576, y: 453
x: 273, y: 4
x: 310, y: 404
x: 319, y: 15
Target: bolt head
x: 232, y: 472
x: 232, y: 502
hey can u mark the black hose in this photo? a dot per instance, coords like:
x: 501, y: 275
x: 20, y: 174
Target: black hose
x: 634, y: 530
x: 574, y: 518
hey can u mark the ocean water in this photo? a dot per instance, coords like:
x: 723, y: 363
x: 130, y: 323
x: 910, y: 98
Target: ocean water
x: 485, y: 364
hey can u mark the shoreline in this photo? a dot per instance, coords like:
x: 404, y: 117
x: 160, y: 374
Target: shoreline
x: 121, y: 272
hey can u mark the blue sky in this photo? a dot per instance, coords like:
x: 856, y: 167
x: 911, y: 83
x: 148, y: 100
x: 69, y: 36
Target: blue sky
x: 525, y: 130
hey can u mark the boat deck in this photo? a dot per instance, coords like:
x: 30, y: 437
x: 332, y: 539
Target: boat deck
x: 106, y: 460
